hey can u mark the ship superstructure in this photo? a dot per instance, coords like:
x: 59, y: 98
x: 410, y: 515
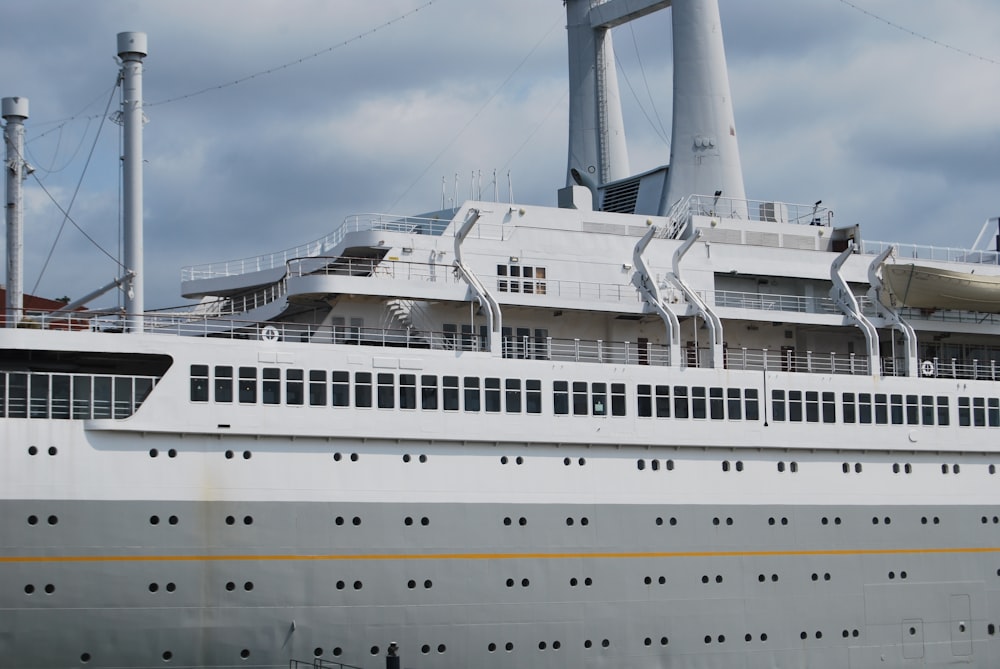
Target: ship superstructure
x: 660, y: 425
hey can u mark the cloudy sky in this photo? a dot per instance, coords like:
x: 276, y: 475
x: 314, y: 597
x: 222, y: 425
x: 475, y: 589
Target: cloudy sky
x: 891, y: 130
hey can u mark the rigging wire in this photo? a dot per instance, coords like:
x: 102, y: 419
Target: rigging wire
x: 476, y: 115
x: 914, y: 33
x: 76, y: 191
x: 652, y: 101
x: 297, y: 61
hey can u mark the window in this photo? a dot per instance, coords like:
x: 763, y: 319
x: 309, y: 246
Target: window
x: 386, y: 391
x: 560, y: 397
x: 927, y: 409
x: 407, y: 391
x: 618, y: 399
x: 248, y: 385
x: 680, y: 402
x: 733, y: 404
x: 865, y: 408
x: 881, y: 409
x: 751, y: 404
x: 795, y: 406
x: 943, y: 417
x: 513, y: 395
x: 492, y: 387
x: 223, y: 384
x: 580, y: 398
x: 362, y: 389
x: 778, y: 405
x: 501, y: 278
x: 698, y: 402
x: 294, y: 390
x: 644, y: 400
x: 896, y: 409
x: 599, y: 399
x: 199, y: 383
x: 341, y: 389
x: 829, y: 408
x: 270, y: 392
x: 472, y: 399
x: 964, y: 415
x: 979, y: 411
x: 850, y: 408
x: 912, y: 410
x: 716, y: 405
x: 994, y: 412
x: 450, y: 393
x: 533, y: 395
x: 812, y: 406
x: 428, y: 391
x: 317, y: 387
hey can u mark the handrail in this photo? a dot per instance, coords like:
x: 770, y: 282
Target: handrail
x: 939, y: 253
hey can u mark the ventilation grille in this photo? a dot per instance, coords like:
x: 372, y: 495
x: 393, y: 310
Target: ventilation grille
x: 620, y: 197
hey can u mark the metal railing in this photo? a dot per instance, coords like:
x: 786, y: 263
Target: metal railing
x: 922, y: 252
x: 787, y: 361
x: 319, y: 663
x: 379, y: 269
x: 769, y: 302
x: 72, y: 396
x: 757, y: 210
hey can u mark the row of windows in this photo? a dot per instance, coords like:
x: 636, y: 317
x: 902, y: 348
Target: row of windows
x: 387, y: 390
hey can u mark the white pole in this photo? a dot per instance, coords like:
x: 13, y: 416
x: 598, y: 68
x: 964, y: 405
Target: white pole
x: 15, y: 112
x: 131, y: 50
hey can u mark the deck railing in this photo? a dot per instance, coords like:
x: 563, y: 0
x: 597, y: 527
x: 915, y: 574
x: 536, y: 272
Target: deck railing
x: 922, y: 252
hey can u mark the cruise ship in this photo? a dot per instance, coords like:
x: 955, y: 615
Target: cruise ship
x: 658, y: 425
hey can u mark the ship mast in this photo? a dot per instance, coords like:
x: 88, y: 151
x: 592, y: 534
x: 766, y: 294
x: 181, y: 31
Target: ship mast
x: 15, y: 112
x: 131, y: 51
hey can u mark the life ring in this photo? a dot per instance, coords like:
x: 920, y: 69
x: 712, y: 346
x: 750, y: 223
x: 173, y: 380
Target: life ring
x: 269, y: 333
x: 927, y: 368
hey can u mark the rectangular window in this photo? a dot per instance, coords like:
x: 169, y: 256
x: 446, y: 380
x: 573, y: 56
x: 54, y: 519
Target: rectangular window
x: 663, y: 401
x: 698, y: 402
x: 829, y: 408
x: 579, y: 398
x: 513, y: 395
x: 979, y: 411
x: 964, y: 414
x: 341, y: 388
x: 644, y: 400
x: 363, y: 389
x: 449, y: 393
x: 248, y: 385
x: 943, y: 411
x: 428, y: 392
x: 849, y: 408
x: 407, y: 391
x: 199, y: 383
x: 927, y: 409
x: 778, y: 405
x: 533, y: 396
x: 681, y: 402
x: 81, y: 397
x: 733, y: 404
x: 599, y: 399
x: 270, y: 390
x: 618, y: 399
x: 716, y: 405
x: 386, y: 390
x: 102, y: 397
x: 912, y: 410
x: 812, y: 406
x: 61, y: 393
x: 994, y: 412
x: 317, y: 387
x: 751, y: 404
x: 472, y: 399
x: 560, y: 397
x: 123, y: 396
x: 223, y: 384
x: 795, y: 406
x: 492, y: 388
x: 881, y: 409
x: 501, y: 282
x: 40, y: 396
x: 865, y: 408
x: 294, y: 387
x: 896, y: 409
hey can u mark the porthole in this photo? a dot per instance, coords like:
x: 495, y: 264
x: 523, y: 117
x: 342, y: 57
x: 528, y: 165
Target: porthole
x: 573, y: 582
x: 892, y: 575
x: 747, y: 637
x: 33, y: 450
x: 341, y: 585
x: 708, y: 639
x: 172, y: 453
x: 248, y: 586
x: 503, y: 459
x: 803, y: 636
x: 662, y: 580
x: 171, y: 587
x: 567, y: 462
x: 428, y: 584
x: 581, y: 462
x: 955, y: 469
x: 641, y: 464
x: 794, y: 467
x: 847, y: 470
x: 525, y: 583
x: 338, y: 651
x: 374, y: 650
x: 770, y: 521
x: 49, y: 588
x: 781, y: 468
x: 441, y: 648
x: 722, y: 638
x: 725, y: 465
x: 647, y: 641
x: 588, y: 643
x: 673, y: 521
x: 729, y: 521
x: 944, y: 469
x: 605, y: 643
x: 339, y: 520
x: 895, y: 468
x: 153, y: 587
x: 153, y: 520
x: 670, y: 465
x: 508, y: 646
x: 358, y: 585
x: 53, y: 450
x: 406, y: 457
x: 819, y: 635
x: 172, y: 520
x: 739, y: 465
x: 422, y: 458
x: 337, y: 457
x: 167, y: 656
x: 519, y: 460
x: 356, y: 521
x: 229, y: 455
x: 411, y: 584
x: 522, y: 521
x: 784, y: 521
x: 855, y: 633
x: 655, y: 464
x: 425, y: 649
x: 541, y: 645
x: 836, y: 521
x: 763, y: 637
x: 716, y: 521
x: 492, y: 647
x: 29, y: 589
x: 704, y: 579
x: 247, y: 455
x: 85, y: 657
x: 857, y: 467
x: 407, y: 521
x: 993, y: 468
x: 584, y: 521
x: 230, y: 586
x: 53, y: 520
x: 230, y: 520
x: 761, y: 578
x: 248, y: 520
x: 588, y: 581
x: 846, y: 634
x: 507, y: 520
x: 774, y: 578
x: 569, y: 521
x: 245, y: 653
